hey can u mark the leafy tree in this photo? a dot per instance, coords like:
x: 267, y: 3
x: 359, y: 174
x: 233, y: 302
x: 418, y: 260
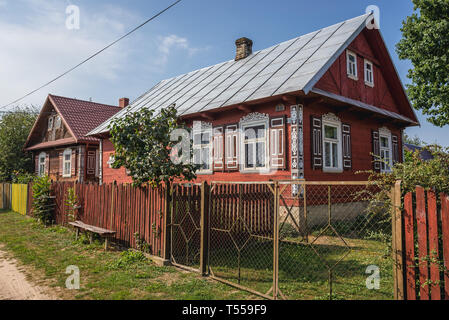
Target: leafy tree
x: 41, y: 200
x: 417, y: 141
x: 14, y: 129
x: 143, y: 146
x: 425, y: 43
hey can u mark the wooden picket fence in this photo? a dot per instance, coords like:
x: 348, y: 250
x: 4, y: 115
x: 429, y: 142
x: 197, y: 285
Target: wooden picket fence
x: 119, y: 207
x: 425, y: 242
x: 5, y: 196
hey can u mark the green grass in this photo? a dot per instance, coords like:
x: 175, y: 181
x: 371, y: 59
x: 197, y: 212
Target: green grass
x: 116, y: 275
x: 304, y: 268
x: 104, y: 275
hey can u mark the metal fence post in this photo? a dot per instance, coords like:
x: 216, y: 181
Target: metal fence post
x: 167, y: 222
x: 397, y: 246
x: 204, y: 247
x: 276, y: 242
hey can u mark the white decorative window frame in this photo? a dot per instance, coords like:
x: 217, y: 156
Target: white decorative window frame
x: 277, y: 135
x: 386, y: 133
x: 349, y: 64
x: 218, y: 146
x: 367, y: 81
x: 251, y: 120
x: 332, y: 120
x: 40, y: 163
x: 231, y: 133
x: 66, y: 152
x: 201, y: 127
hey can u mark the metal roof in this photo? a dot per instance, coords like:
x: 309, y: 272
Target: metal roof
x: 290, y: 66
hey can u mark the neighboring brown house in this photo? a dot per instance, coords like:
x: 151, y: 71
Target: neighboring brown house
x: 58, y: 142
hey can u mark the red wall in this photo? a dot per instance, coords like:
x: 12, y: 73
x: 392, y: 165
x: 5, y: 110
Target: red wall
x: 335, y: 80
x: 361, y: 148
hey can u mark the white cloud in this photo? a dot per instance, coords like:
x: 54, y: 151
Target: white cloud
x: 37, y: 46
x: 40, y: 47
x: 167, y: 44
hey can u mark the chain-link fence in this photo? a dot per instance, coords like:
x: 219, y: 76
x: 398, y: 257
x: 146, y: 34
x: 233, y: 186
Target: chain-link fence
x: 288, y: 239
x: 331, y: 243
x: 186, y: 225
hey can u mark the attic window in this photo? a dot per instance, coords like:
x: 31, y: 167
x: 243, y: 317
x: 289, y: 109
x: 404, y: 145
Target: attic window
x: 351, y: 58
x: 369, y: 75
x: 50, y: 123
x: 57, y: 122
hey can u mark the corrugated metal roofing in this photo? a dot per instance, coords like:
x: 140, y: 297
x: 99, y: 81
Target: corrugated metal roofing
x: 290, y: 66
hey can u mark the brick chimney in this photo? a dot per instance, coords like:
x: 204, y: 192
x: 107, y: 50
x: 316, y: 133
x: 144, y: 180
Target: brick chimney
x: 244, y: 48
x: 123, y: 102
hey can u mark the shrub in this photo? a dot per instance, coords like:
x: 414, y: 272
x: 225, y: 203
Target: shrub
x: 22, y: 177
x: 72, y: 204
x: 127, y: 259
x: 430, y: 174
x: 41, y: 200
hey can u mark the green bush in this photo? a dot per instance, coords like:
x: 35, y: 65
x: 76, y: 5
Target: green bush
x: 23, y: 177
x: 72, y: 204
x: 41, y: 200
x: 127, y: 259
x: 430, y: 174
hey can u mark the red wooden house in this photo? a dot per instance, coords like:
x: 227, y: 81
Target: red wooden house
x: 58, y: 138
x: 316, y: 107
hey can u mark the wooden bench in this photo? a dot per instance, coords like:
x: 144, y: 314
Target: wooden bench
x: 104, y: 233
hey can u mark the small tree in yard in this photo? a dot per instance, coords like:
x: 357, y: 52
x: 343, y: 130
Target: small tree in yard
x: 72, y: 204
x: 143, y: 145
x: 41, y: 199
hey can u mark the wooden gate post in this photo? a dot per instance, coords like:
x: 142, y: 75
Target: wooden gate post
x: 167, y: 222
x: 397, y: 243
x: 204, y: 247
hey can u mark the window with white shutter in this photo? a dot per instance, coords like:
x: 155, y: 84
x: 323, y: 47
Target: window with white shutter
x: 277, y: 143
x: 218, y: 148
x: 231, y: 147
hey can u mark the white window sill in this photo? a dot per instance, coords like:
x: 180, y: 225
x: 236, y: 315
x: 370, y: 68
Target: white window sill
x: 350, y: 76
x: 204, y: 173
x: 66, y: 176
x: 369, y: 84
x: 260, y: 170
x: 333, y: 170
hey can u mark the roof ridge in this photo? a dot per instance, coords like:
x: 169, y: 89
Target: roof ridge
x: 86, y: 101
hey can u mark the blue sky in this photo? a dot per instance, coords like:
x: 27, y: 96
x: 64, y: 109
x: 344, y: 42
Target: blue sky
x: 36, y: 45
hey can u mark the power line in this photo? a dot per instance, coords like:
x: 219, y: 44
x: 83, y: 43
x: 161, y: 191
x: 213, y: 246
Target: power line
x: 93, y: 56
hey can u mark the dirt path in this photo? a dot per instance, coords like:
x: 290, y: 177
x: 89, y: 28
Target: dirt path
x: 15, y: 286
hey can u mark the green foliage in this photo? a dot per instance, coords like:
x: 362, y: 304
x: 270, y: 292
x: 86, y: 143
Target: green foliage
x: 41, y: 200
x: 127, y: 259
x: 425, y: 43
x: 72, y: 204
x: 141, y: 244
x: 431, y: 174
x: 417, y: 141
x: 142, y: 145
x: 14, y: 130
x: 23, y: 177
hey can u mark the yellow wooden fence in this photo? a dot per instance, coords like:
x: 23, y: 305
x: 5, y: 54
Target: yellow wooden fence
x: 19, y: 198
